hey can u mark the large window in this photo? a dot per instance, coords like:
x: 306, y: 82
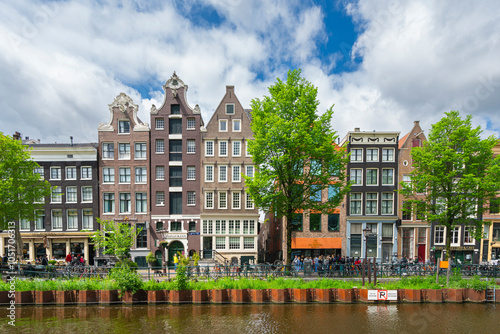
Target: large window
x: 248, y: 243
x: 236, y: 148
x: 56, y: 219
x: 236, y: 173
x: 142, y: 236
x: 468, y: 238
x: 108, y: 174
x: 56, y: 196
x: 356, y: 176
x: 86, y: 194
x: 455, y: 235
x: 387, y: 154
x: 315, y: 222
x: 175, y: 226
x: 109, y: 203
x: 222, y: 173
x: 160, y: 146
x: 222, y: 200
x: 71, y: 194
x: 333, y: 222
x: 191, y: 146
x: 191, y: 172
x: 372, y: 154
x: 356, y: 240
x: 234, y: 242
x: 439, y: 234
x: 160, y: 172
x: 387, y: 232
x: 108, y: 150
x: 191, y: 198
x: 39, y: 220
x: 236, y: 200
x: 372, y: 177
x: 175, y: 149
x: 315, y: 193
x: 220, y: 243
x: 387, y: 176
x: 209, y: 148
x: 297, y: 222
x: 123, y: 126
x: 209, y: 200
x: 175, y: 126
x: 55, y: 173
x: 25, y: 224
x: 175, y: 176
x: 175, y: 204
x: 141, y: 203
x: 371, y: 203
x: 72, y: 219
x: 124, y: 151
x: 355, y: 204
x: 249, y: 202
x: 124, y: 174
x: 209, y: 173
x: 387, y: 203
x: 356, y: 155
x: 125, y: 203
x: 223, y: 148
x: 70, y: 173
x: 140, y: 151
x: 87, y: 223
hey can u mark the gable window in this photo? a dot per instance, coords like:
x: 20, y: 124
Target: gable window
x: 109, y: 203
x: 123, y: 126
x: 372, y: 154
x: 387, y: 154
x: 175, y: 109
x: 140, y: 151
x: 356, y: 155
x: 223, y: 125
x: 71, y: 173
x: 108, y: 150
x: 236, y: 125
x: 191, y: 123
x: 175, y: 126
x: 124, y: 151
x: 229, y: 109
x: 209, y: 148
x: 159, y: 123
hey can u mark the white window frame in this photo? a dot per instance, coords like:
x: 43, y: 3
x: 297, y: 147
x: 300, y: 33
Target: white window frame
x: 191, y: 123
x: 360, y: 177
x: 191, y: 198
x: 191, y: 146
x: 159, y: 120
x: 129, y: 207
x: 382, y: 179
x: 160, y: 146
x: 144, y: 197
x: 209, y: 173
x: 225, y: 109
x: 371, y: 200
x: 58, y: 193
x: 145, y: 151
x: 143, y: 168
x: 249, y: 204
x: 86, y: 219
x: 158, y: 200
x: 236, y: 173
x: 357, y: 150
x: 60, y: 224
x: 91, y: 194
x: 223, y: 143
x: 82, y: 174
x: 356, y: 200
x: 222, y: 199
x: 221, y: 128
x: 108, y: 174
x: 120, y: 128
x: 209, y: 200
x: 68, y: 220
x: 158, y: 175
x: 59, y: 173
x: 247, y: 168
x: 456, y: 232
x: 67, y: 169
x: 442, y: 229
x: 223, y: 173
x: 236, y: 148
x: 125, y: 155
x: 386, y: 150
x: 467, y: 231
x: 106, y: 154
x: 125, y: 175
x: 234, y: 122
x: 369, y: 158
x: 236, y: 199
x: 191, y: 173
x: 376, y: 179
x: 104, y: 200
x: 75, y: 192
x: 391, y: 200
x: 209, y: 148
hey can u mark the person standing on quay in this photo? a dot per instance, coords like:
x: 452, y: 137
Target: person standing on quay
x: 176, y: 261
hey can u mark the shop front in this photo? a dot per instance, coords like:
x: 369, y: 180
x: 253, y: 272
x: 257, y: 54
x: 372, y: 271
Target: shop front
x: 316, y: 246
x: 461, y: 254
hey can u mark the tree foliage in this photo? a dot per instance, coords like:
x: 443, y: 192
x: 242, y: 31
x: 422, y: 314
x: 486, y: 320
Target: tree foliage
x: 457, y: 172
x: 115, y: 238
x: 295, y: 151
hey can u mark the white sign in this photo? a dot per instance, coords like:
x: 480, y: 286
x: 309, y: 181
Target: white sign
x: 174, y: 235
x: 382, y: 294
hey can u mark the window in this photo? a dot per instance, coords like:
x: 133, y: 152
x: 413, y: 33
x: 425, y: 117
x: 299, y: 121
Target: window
x: 142, y: 236
x: 236, y: 173
x: 223, y: 125
x: 387, y: 203
x: 372, y: 154
x: 70, y: 173
x: 175, y: 176
x: 332, y: 192
x: 357, y: 176
x: 123, y: 126
x: 407, y: 178
x: 356, y: 240
x: 39, y: 220
x: 160, y: 146
x: 455, y: 235
x: 72, y: 219
x: 56, y: 219
x: 236, y: 200
x: 407, y: 210
x: 468, y: 239
x: 108, y: 150
x: 124, y: 151
x: 246, y: 148
x: 191, y: 123
x: 175, y: 149
x: 141, y: 202
x: 140, y: 175
x: 220, y: 227
x: 439, y: 234
x: 220, y: 243
x: 86, y: 194
x: 39, y: 171
x: 56, y: 196
x: 421, y: 207
x: 371, y: 203
x: 191, y: 146
x: 416, y: 143
x: 249, y: 202
x: 236, y: 148
x: 223, y: 148
x: 86, y: 173
x: 87, y: 219
x: 109, y: 203
x: 160, y: 172
x: 192, y: 226
x: 209, y: 173
x: 495, y: 205
x: 315, y: 193
x: 230, y: 109
x: 160, y: 198
x: 209, y: 148
x: 71, y: 195
x: 236, y: 125
x: 387, y: 154
x: 333, y: 222
x: 55, y: 173
x: 175, y: 126
x: 387, y: 176
x: 222, y: 200
x: 175, y: 109
x: 209, y: 200
x: 108, y: 174
x: 315, y: 222
x: 248, y: 243
x: 191, y: 172
x: 222, y: 173
x: 124, y: 174
x: 25, y: 224
x: 125, y: 200
x: 315, y: 167
x: 207, y: 227
x: 140, y: 151
x: 175, y: 226
x: 159, y: 226
x: 250, y: 171
x: 246, y: 227
x: 356, y: 155
x: 230, y: 227
x: 159, y: 123
x: 234, y: 242
x: 355, y: 204
x: 191, y: 198
x: 372, y: 177
x: 297, y: 222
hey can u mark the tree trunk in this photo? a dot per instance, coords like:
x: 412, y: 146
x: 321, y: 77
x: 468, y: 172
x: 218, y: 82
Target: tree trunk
x: 287, y: 256
x: 448, y: 254
x: 19, y: 243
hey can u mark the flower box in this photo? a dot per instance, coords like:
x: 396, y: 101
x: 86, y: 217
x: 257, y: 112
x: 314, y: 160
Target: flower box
x: 412, y: 296
x: 220, y: 296
x: 140, y: 296
x: 238, y: 295
x: 157, y: 296
x: 433, y: 296
x: 345, y: 295
x: 86, y: 297
x: 280, y: 295
x: 323, y: 295
x: 200, y: 296
x: 259, y: 296
x: 67, y: 297
x: 178, y: 297
x: 25, y: 297
x: 109, y: 297
x: 454, y: 295
x: 44, y: 297
x: 301, y: 295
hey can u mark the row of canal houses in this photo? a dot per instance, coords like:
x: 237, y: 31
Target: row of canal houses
x: 181, y: 181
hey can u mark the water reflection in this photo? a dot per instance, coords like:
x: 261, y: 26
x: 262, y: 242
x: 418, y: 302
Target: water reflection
x: 257, y: 318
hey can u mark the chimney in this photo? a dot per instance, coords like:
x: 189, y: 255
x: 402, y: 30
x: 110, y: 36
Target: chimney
x: 16, y: 136
x: 416, y: 122
x: 71, y: 138
x: 230, y: 90
x: 356, y: 129
x: 27, y: 138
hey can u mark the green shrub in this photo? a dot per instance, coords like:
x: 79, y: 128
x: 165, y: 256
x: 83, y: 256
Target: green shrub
x: 126, y: 279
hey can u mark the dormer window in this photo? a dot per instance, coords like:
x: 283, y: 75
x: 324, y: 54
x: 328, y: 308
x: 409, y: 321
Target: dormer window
x: 123, y: 126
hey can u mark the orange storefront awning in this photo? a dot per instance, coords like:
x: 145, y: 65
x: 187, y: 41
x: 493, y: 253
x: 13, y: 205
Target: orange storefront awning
x: 316, y: 243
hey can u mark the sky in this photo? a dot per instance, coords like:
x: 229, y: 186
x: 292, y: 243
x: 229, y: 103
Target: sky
x: 382, y: 64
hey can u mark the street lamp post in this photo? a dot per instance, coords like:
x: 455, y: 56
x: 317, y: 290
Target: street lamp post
x: 366, y: 231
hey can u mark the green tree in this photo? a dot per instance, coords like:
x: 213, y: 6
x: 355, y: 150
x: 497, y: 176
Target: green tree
x: 456, y: 170
x: 21, y: 190
x: 115, y: 238
x: 295, y: 151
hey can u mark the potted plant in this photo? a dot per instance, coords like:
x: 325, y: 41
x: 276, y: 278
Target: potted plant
x: 151, y: 259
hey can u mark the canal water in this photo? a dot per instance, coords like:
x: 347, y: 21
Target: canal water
x: 257, y: 318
